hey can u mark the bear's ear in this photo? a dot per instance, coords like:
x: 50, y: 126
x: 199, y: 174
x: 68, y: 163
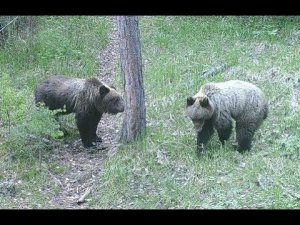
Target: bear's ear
x: 204, y: 102
x: 190, y: 101
x: 103, y: 90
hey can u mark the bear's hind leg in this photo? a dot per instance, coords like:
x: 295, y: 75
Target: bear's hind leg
x: 204, y: 135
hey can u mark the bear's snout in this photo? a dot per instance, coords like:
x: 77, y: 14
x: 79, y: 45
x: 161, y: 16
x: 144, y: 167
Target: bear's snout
x: 122, y: 107
x: 119, y: 107
x: 198, y: 125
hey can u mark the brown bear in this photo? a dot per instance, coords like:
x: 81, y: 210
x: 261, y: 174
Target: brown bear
x: 87, y: 98
x: 216, y: 104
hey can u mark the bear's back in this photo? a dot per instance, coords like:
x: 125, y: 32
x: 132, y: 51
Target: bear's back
x: 59, y: 90
x: 237, y: 84
x: 235, y: 96
x: 231, y: 87
x: 60, y: 80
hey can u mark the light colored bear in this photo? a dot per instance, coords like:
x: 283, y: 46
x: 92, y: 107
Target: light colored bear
x: 216, y: 104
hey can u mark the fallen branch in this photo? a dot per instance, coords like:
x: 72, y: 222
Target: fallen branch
x: 37, y: 138
x: 8, y: 23
x: 85, y: 194
x: 214, y: 70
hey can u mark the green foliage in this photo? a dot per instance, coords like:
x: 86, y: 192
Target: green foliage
x: 12, y: 103
x: 59, y: 45
x: 74, y: 53
x: 16, y: 26
x: 25, y: 126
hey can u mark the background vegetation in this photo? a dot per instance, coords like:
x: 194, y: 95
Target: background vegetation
x: 163, y: 170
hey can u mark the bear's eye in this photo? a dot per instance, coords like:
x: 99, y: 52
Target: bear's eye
x: 115, y: 101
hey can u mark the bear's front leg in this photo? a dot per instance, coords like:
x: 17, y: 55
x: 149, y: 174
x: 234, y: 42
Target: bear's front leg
x: 94, y: 123
x: 244, y: 136
x: 203, y: 136
x: 86, y: 129
x: 225, y: 131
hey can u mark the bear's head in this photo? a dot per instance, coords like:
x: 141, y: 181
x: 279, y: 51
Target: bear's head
x: 199, y: 109
x: 111, y: 101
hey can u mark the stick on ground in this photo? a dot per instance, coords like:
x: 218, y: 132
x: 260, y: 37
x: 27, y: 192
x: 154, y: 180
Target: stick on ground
x: 85, y: 194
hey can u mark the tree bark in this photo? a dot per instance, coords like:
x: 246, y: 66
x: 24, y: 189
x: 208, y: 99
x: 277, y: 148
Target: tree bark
x: 134, y: 123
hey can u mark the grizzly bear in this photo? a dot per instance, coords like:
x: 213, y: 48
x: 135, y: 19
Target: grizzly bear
x: 216, y: 104
x: 87, y: 98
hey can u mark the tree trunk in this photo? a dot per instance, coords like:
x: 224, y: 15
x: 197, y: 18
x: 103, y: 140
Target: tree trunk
x: 134, y: 123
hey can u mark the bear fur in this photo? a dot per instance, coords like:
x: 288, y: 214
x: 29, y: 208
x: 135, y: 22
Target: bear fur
x: 87, y: 98
x: 216, y: 104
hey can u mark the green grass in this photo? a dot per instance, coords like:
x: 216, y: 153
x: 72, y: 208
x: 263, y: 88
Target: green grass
x: 163, y: 171
x: 166, y: 173
x: 57, y: 45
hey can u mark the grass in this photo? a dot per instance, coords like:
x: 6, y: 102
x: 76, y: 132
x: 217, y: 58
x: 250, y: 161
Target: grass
x: 54, y: 46
x: 162, y: 171
x: 166, y: 173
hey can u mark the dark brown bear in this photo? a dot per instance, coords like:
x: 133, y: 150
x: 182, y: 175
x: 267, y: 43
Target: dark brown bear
x: 87, y: 98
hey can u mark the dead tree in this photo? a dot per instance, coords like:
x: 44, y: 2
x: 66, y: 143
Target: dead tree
x: 134, y: 123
